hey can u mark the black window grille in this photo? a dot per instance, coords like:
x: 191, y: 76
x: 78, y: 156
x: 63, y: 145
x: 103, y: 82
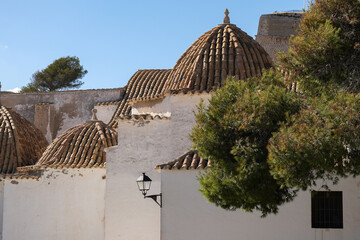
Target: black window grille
x: 326, y: 209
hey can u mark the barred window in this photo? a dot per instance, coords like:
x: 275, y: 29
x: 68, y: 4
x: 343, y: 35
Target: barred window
x: 326, y: 209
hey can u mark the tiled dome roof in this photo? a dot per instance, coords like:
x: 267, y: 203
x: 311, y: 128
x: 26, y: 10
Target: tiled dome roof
x: 21, y: 143
x: 80, y: 146
x: 223, y: 51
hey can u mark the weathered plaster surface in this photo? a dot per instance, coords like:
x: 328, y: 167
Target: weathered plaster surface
x: 68, y: 107
x: 158, y: 106
x: 62, y: 204
x: 141, y: 147
x: 105, y: 112
x: 275, y: 30
x: 185, y: 206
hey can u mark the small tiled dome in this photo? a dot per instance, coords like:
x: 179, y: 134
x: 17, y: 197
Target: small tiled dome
x: 223, y: 51
x: 81, y: 146
x: 21, y: 143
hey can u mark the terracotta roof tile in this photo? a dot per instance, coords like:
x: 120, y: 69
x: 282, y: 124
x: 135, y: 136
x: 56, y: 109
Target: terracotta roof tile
x: 188, y: 161
x: 144, y: 83
x: 108, y: 103
x: 184, y: 91
x: 142, y: 117
x: 21, y: 143
x: 187, y: 91
x: 223, y: 51
x: 81, y: 146
x: 147, y: 98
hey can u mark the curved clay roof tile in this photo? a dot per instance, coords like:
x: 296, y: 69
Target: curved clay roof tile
x: 144, y: 83
x: 81, y: 146
x: 223, y: 51
x: 188, y: 161
x: 21, y: 143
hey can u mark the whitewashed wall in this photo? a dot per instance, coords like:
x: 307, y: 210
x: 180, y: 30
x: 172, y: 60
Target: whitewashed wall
x: 63, y: 204
x: 186, y: 214
x: 1, y: 207
x: 141, y: 147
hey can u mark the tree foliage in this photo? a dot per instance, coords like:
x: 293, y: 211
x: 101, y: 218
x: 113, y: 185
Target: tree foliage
x: 267, y: 143
x: 234, y: 132
x: 63, y: 73
x: 319, y: 142
x: 326, y: 51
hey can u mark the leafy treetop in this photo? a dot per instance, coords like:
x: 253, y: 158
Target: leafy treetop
x: 326, y: 51
x: 63, y: 73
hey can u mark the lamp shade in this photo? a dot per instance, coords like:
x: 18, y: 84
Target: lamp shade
x: 144, y: 183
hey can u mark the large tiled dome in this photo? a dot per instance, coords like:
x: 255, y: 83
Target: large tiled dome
x: 81, y: 146
x: 21, y: 143
x: 223, y: 51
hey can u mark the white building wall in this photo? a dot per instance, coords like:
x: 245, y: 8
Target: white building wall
x: 141, y: 147
x: 62, y: 204
x: 186, y: 214
x: 1, y: 207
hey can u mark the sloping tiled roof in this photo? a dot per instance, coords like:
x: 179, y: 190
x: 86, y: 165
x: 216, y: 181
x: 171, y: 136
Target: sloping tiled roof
x: 184, y: 91
x: 223, y: 51
x: 144, y: 83
x: 81, y: 146
x: 108, y: 103
x: 188, y: 161
x: 21, y: 143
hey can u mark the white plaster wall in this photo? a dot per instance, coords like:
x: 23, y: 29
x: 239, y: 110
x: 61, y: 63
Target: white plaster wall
x: 127, y: 214
x: 186, y: 214
x: 63, y: 204
x: 159, y: 106
x: 1, y: 207
x: 141, y: 147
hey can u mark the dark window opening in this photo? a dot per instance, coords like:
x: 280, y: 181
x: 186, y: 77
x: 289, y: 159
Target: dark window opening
x: 326, y: 210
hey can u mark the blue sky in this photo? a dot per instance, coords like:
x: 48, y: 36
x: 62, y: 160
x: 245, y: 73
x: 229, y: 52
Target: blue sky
x: 113, y: 39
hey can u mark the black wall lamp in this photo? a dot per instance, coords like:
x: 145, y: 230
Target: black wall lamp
x: 144, y: 183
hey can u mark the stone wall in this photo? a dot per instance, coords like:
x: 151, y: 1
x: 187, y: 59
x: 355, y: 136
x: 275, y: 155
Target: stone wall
x: 55, y: 112
x: 275, y: 30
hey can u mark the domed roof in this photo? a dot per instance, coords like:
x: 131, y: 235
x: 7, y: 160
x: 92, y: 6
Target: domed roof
x: 21, y: 143
x: 80, y: 146
x: 223, y: 51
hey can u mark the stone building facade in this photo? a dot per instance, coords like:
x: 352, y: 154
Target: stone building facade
x: 275, y: 30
